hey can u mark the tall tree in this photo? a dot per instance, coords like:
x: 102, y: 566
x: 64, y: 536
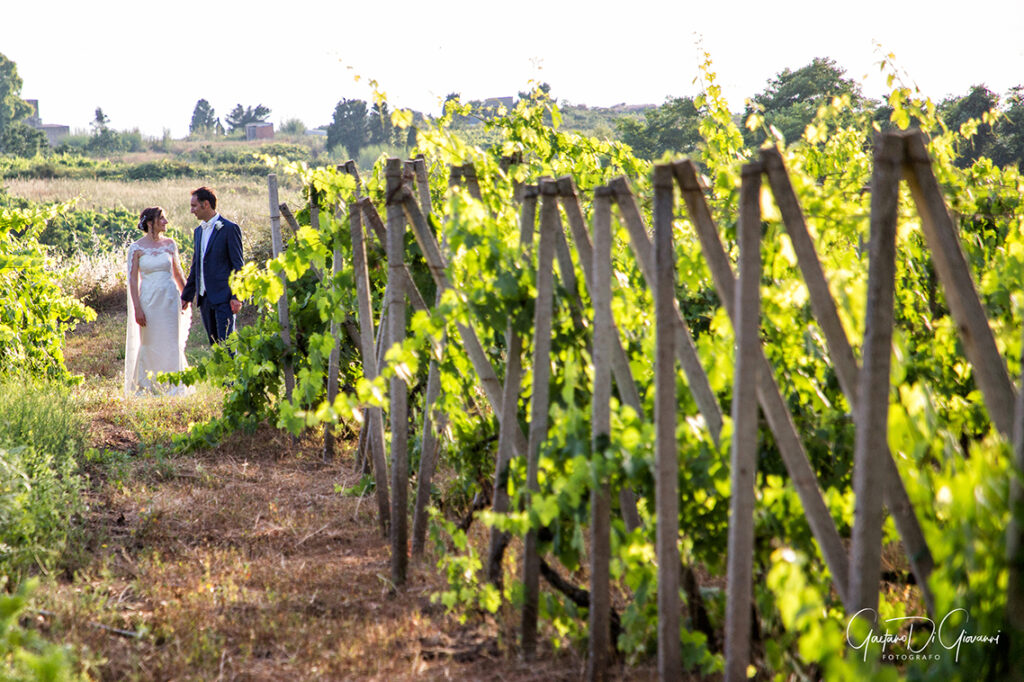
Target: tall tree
x: 241, y: 116
x: 955, y: 111
x: 204, y: 120
x: 349, y: 127
x: 1009, y: 148
x: 674, y: 126
x: 12, y: 107
x: 380, y: 129
x: 791, y: 100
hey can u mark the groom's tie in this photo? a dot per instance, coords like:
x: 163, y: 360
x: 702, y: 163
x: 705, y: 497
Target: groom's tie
x: 204, y: 240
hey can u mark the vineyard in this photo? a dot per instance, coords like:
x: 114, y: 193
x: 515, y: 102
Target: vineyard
x: 747, y: 414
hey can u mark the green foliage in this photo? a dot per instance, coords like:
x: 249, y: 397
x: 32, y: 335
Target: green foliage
x: 240, y: 116
x: 19, y: 139
x: 35, y: 313
x: 951, y: 459
x: 40, y: 440
x: 792, y: 98
x: 24, y: 655
x: 204, y: 119
x: 12, y: 107
x: 350, y: 127
x: 673, y: 127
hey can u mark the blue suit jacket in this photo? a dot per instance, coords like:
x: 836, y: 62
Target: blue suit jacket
x: 223, y: 256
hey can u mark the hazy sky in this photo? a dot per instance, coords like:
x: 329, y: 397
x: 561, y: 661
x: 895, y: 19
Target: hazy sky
x: 147, y: 63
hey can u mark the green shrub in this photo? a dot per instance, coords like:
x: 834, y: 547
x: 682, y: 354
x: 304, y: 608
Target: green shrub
x: 40, y: 440
x: 24, y: 655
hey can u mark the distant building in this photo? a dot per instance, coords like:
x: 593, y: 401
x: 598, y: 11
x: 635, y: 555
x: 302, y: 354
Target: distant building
x: 507, y: 102
x: 316, y: 132
x: 55, y: 132
x: 259, y: 131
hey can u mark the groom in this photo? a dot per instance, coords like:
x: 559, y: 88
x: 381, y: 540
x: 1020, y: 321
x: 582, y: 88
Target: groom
x: 217, y: 253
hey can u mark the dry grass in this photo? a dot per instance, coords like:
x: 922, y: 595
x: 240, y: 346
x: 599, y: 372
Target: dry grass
x: 247, y: 561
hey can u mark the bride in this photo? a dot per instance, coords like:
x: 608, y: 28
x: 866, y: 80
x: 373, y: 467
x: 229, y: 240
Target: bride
x: 157, y: 326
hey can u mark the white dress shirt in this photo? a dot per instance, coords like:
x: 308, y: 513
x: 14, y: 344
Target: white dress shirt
x: 203, y: 243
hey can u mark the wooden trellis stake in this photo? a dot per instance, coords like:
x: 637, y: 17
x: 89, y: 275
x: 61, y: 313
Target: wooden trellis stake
x: 509, y: 420
x: 605, y: 338
x: 543, y: 312
x: 470, y: 342
x: 277, y: 245
x: 430, y: 439
x: 373, y: 420
x: 739, y: 589
x: 685, y: 349
x: 666, y: 450
x: 399, y: 393
x: 780, y: 421
x: 958, y: 285
x: 845, y: 364
x: 871, y: 417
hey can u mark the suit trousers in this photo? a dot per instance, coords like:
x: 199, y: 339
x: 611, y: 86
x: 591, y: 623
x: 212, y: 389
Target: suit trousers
x: 218, y: 320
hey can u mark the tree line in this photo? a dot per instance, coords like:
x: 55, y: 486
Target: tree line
x: 785, y: 108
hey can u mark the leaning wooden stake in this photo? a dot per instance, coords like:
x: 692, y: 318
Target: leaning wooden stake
x: 509, y: 420
x: 871, y: 418
x: 739, y: 589
x: 282, y: 303
x: 430, y: 438
x: 666, y: 450
x: 845, y: 365
x: 333, y: 359
x: 958, y: 285
x: 543, y: 312
x: 780, y: 421
x: 399, y: 412
x: 685, y: 349
x: 374, y: 420
x: 600, y: 428
x: 470, y: 342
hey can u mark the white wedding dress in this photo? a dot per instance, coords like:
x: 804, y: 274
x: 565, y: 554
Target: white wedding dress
x: 160, y: 345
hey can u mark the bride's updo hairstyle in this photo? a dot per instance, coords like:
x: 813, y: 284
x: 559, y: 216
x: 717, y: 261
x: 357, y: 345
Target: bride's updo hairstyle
x: 148, y: 215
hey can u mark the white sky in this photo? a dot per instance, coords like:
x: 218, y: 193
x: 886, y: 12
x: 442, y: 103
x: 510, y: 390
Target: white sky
x: 147, y: 63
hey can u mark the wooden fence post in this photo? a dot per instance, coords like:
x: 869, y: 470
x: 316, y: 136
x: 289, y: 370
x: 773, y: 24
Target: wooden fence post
x: 600, y: 430
x: 543, y: 313
x: 277, y: 245
x: 739, y: 589
x: 399, y: 412
x: 872, y: 412
x: 845, y: 365
x: 373, y: 419
x: 666, y: 450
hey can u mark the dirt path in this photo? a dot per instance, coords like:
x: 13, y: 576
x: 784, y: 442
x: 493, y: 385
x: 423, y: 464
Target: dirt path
x: 249, y: 561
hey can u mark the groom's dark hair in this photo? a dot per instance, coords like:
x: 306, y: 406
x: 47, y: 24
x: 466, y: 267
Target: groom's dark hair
x: 206, y: 194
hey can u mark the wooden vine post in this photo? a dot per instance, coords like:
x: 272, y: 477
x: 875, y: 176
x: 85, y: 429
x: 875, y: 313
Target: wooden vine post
x: 373, y: 419
x: 543, y: 312
x: 600, y: 430
x: 399, y: 412
x: 430, y: 436
x: 509, y: 419
x: 277, y: 244
x: 666, y: 450
x: 739, y: 589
